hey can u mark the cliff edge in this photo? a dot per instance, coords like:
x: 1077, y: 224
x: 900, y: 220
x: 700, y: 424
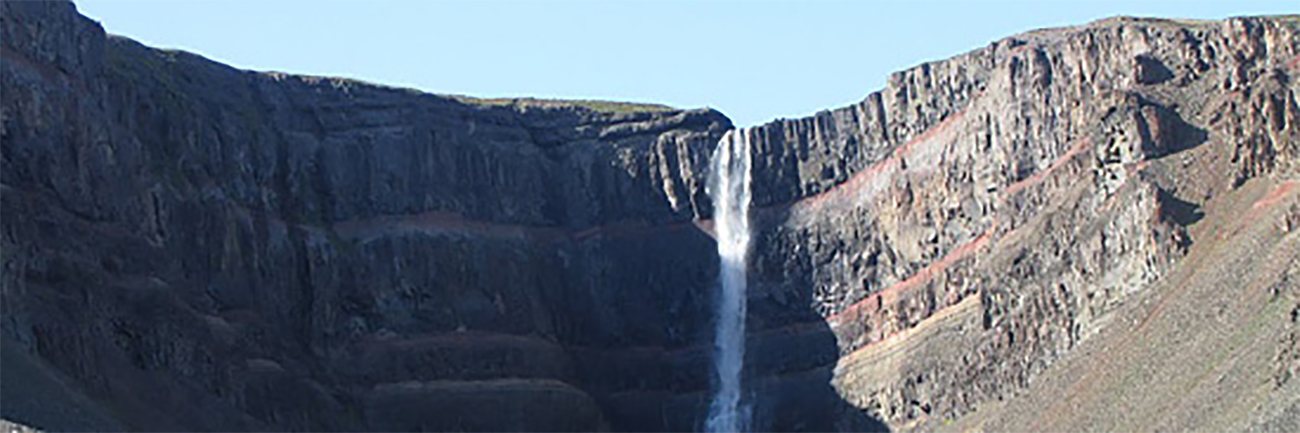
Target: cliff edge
x: 1074, y: 228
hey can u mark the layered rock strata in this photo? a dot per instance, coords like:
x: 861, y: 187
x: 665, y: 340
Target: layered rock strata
x: 193, y: 246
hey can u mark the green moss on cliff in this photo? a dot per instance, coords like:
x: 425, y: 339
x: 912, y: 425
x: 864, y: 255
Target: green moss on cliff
x: 597, y: 106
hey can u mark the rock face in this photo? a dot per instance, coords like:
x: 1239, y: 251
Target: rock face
x: 980, y: 217
x: 209, y: 248
x: 195, y: 247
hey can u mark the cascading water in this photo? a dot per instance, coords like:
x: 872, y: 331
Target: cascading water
x: 729, y: 188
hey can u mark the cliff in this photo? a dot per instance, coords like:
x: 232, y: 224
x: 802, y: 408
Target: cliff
x: 1077, y: 215
x: 210, y: 248
x: 984, y: 217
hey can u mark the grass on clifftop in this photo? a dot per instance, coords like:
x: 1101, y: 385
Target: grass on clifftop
x: 598, y: 106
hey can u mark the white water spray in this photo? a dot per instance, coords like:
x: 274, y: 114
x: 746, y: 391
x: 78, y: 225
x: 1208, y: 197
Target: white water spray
x: 729, y: 187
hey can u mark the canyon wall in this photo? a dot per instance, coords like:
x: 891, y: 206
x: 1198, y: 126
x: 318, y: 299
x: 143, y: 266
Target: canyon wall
x: 982, y: 216
x: 210, y: 248
x: 196, y: 247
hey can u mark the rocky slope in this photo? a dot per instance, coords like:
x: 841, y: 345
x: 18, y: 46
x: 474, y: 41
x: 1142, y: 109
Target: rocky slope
x: 195, y: 247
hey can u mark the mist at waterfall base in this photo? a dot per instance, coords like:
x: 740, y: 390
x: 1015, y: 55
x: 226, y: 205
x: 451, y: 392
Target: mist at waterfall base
x: 729, y: 186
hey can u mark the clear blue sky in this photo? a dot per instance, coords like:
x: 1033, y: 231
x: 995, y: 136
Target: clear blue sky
x: 754, y: 61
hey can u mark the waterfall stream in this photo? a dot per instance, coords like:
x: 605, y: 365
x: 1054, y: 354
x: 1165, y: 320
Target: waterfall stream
x: 729, y: 188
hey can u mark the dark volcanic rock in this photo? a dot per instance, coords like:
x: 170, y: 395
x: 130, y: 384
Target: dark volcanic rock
x: 196, y: 247
x: 495, y: 405
x: 209, y: 248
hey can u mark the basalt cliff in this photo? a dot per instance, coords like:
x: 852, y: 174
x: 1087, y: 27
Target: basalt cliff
x: 1091, y: 227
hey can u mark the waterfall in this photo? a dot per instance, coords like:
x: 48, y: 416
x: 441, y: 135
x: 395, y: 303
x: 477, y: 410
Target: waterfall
x: 729, y: 188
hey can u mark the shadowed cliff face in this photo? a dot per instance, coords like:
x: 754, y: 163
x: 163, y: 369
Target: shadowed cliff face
x: 199, y: 247
x: 206, y: 248
x: 211, y: 248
